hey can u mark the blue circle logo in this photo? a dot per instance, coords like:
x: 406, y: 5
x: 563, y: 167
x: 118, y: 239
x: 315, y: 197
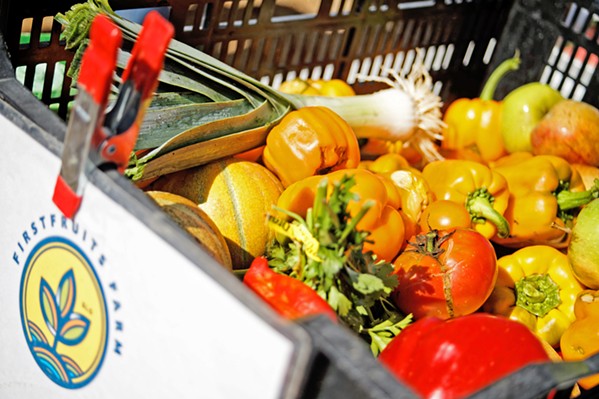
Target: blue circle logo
x: 63, y: 311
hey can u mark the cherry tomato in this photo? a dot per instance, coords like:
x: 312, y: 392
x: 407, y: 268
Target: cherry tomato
x: 445, y: 273
x: 443, y: 214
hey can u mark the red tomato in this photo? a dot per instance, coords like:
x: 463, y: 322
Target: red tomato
x: 455, y: 358
x: 445, y: 273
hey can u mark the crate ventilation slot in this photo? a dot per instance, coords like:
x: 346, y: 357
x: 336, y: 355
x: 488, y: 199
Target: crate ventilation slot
x: 570, y: 66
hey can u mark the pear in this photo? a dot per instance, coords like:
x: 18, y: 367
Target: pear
x: 583, y: 248
x: 569, y: 130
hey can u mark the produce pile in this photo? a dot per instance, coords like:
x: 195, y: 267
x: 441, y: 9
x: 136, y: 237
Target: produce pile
x: 445, y: 237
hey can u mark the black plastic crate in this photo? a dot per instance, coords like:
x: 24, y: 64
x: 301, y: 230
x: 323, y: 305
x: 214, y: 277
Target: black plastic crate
x: 559, y: 43
x: 277, y: 40
x: 463, y: 40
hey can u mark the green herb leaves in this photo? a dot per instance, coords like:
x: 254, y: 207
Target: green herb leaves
x: 352, y: 281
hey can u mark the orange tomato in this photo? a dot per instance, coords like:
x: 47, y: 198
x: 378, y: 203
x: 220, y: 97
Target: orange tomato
x: 587, y: 304
x: 580, y: 341
x: 388, y: 163
x: 443, y: 214
x: 382, y: 220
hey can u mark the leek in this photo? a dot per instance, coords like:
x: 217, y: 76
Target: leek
x: 408, y: 111
x: 205, y: 109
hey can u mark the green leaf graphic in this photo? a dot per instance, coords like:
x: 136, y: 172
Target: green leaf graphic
x: 74, y: 330
x: 65, y: 296
x: 49, y: 308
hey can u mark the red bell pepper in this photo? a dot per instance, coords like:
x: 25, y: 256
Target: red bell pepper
x: 455, y: 358
x: 289, y: 297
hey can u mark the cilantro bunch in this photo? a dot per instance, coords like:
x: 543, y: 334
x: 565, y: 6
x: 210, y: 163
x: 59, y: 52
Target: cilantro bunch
x: 325, y: 250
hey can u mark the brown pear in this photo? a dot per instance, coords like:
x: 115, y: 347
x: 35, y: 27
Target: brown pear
x: 569, y: 130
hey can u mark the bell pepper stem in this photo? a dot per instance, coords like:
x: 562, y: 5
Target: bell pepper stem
x: 569, y: 200
x: 480, y: 206
x: 511, y: 64
x: 537, y: 293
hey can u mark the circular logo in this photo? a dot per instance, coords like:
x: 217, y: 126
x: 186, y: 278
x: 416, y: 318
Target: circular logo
x: 63, y: 312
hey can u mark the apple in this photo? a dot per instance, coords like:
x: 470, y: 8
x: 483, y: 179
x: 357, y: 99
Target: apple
x: 569, y: 130
x: 523, y: 108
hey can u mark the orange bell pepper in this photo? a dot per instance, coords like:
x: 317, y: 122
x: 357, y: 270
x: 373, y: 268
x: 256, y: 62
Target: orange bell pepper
x: 310, y: 141
x: 383, y: 220
x: 476, y: 123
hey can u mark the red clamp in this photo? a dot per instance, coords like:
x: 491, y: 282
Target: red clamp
x: 110, y: 135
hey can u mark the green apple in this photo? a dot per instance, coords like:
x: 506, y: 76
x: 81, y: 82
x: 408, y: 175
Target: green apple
x: 523, y: 108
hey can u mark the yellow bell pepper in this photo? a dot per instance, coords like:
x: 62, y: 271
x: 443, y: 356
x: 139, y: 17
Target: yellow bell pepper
x: 476, y: 123
x: 483, y: 192
x: 545, y: 192
x: 317, y: 87
x: 332, y: 87
x: 383, y: 220
x: 537, y: 287
x: 310, y: 141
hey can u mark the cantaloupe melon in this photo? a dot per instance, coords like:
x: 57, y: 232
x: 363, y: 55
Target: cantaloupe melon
x: 237, y: 195
x: 197, y: 223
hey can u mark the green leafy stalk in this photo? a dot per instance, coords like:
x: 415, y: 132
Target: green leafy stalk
x: 354, y: 282
x: 222, y: 111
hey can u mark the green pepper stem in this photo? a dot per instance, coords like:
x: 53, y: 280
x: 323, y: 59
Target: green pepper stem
x: 511, y: 64
x: 538, y: 294
x: 480, y: 206
x: 569, y: 200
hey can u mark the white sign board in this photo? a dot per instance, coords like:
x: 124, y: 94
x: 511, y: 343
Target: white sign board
x: 103, y: 307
